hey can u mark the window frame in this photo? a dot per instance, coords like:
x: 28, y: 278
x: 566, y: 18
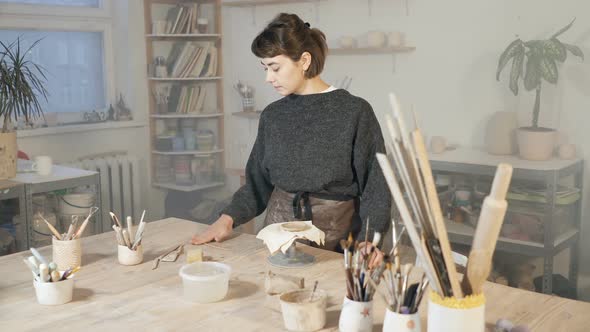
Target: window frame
x: 62, y: 18
x: 103, y: 10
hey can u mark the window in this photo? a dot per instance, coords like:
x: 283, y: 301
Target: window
x: 75, y: 50
x: 73, y: 63
x: 76, y: 3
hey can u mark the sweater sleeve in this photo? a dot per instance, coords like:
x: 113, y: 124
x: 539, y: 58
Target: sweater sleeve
x: 375, y: 199
x: 251, y: 199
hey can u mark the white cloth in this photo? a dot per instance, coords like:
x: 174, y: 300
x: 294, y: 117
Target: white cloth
x: 276, y: 238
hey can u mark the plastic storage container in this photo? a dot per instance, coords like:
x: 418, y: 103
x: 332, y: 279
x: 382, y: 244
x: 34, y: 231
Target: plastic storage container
x: 205, y: 282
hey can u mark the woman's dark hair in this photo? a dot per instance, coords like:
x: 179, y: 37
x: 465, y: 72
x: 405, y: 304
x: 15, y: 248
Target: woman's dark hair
x: 288, y: 35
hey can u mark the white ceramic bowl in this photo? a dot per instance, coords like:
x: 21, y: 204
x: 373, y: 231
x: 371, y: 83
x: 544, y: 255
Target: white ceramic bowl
x: 205, y: 282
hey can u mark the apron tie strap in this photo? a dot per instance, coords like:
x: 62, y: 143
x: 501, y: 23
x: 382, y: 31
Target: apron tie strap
x: 297, y: 209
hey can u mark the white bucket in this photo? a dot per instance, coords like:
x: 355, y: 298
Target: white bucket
x: 76, y: 203
x: 205, y: 282
x: 54, y: 293
x: 41, y: 235
x: 127, y: 256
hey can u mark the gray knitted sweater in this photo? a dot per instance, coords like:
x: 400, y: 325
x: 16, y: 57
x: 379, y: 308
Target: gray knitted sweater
x: 317, y: 143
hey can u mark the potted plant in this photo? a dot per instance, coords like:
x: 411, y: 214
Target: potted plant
x: 533, y: 62
x: 21, y: 87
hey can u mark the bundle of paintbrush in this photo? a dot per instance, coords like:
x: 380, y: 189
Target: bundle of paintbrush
x: 421, y: 214
x: 44, y: 271
x: 73, y: 232
x: 125, y: 235
x: 362, y: 276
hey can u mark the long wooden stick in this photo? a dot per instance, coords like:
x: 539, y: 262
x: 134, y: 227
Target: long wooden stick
x: 407, y: 220
x: 436, y: 212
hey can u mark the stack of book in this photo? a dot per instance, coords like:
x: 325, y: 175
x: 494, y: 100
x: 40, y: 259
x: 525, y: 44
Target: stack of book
x: 192, y: 60
x: 187, y: 99
x: 182, y: 19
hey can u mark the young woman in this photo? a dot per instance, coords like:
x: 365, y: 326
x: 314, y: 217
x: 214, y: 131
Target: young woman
x: 314, y: 155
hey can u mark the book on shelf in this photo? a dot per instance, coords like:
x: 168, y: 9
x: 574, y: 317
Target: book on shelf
x: 187, y: 99
x: 193, y: 60
x: 182, y: 19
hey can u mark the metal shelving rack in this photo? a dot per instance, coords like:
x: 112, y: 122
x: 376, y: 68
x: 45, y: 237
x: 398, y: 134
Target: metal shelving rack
x: 478, y: 163
x: 61, y: 178
x: 15, y: 190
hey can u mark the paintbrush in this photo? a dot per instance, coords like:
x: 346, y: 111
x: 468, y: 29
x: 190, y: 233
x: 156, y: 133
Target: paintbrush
x: 315, y: 286
x: 434, y: 204
x: 415, y: 238
x: 69, y: 272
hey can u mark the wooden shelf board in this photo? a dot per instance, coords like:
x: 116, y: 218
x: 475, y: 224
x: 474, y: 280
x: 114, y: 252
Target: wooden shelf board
x: 371, y: 50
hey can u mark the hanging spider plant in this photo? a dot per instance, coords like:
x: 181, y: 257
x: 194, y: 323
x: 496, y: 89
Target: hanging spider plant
x: 21, y: 84
x: 534, y: 61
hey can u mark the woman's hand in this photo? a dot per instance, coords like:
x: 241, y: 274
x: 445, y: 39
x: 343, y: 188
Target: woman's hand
x: 220, y: 230
x: 376, y: 258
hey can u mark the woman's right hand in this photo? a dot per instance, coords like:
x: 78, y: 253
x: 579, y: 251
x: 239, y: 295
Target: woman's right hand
x: 220, y: 230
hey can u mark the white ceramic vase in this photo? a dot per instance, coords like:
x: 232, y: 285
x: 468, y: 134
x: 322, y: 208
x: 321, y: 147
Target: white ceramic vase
x: 500, y: 133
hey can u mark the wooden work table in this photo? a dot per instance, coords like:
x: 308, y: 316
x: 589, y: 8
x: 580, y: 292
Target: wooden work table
x: 109, y: 295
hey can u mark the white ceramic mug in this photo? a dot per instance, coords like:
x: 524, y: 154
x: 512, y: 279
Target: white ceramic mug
x: 356, y: 316
x: 347, y: 42
x: 395, y: 38
x: 376, y: 38
x: 43, y: 165
x: 396, y: 322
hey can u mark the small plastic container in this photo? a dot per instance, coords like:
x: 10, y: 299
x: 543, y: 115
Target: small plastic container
x: 67, y: 254
x: 205, y: 282
x: 303, y: 313
x: 130, y: 257
x: 54, y: 293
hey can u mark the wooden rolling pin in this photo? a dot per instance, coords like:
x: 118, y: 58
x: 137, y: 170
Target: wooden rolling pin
x: 490, y: 221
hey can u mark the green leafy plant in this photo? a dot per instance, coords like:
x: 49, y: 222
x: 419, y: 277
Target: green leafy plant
x: 534, y: 61
x: 21, y: 84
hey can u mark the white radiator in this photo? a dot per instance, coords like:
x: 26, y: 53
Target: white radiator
x: 120, y: 185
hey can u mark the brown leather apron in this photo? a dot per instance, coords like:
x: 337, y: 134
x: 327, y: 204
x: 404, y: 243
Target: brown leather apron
x: 333, y: 214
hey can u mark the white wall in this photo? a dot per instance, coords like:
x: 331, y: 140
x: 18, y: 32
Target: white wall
x: 449, y: 79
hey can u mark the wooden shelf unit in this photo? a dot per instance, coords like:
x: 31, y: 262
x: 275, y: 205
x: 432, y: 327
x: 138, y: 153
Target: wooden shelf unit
x: 214, y: 36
